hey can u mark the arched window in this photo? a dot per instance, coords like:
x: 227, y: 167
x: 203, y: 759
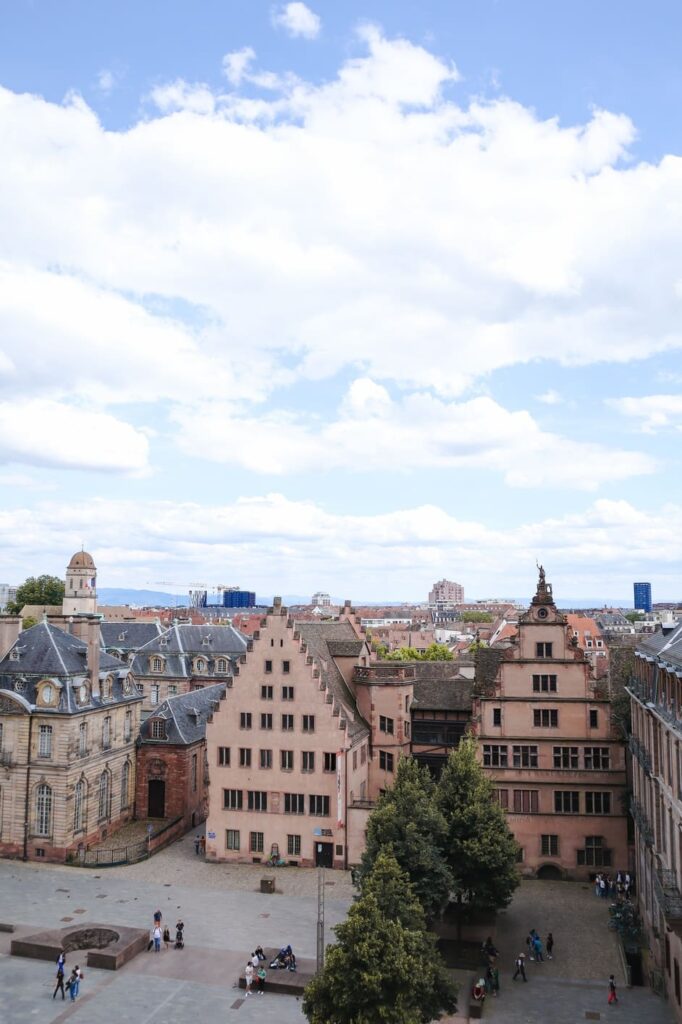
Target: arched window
x: 125, y: 785
x: 78, y: 802
x: 221, y: 665
x: 104, y: 795
x: 200, y: 665
x: 157, y: 665
x: 44, y: 810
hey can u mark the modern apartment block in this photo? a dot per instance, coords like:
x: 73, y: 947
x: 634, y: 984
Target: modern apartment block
x: 546, y: 740
x: 445, y: 594
x: 656, y: 746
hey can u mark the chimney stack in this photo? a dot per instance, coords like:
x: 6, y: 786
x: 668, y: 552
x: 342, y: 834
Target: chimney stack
x: 86, y: 627
x: 10, y: 628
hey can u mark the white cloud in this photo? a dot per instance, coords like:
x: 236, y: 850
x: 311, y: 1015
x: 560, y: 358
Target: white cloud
x: 371, y: 432
x: 269, y: 541
x: 297, y: 20
x: 550, y: 397
x: 655, y: 412
x: 237, y: 63
x: 106, y: 81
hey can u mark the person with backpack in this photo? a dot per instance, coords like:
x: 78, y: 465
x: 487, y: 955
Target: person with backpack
x: 537, y: 947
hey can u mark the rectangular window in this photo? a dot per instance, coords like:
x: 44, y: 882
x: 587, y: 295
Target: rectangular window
x: 566, y: 801
x: 406, y: 730
x: 545, y: 718
x: 245, y: 720
x: 286, y: 760
x: 363, y: 753
x: 597, y: 757
x: 308, y: 723
x: 266, y: 721
x: 45, y: 741
x: 594, y: 718
x: 232, y: 799
x: 386, y: 725
x: 127, y: 726
x: 526, y: 801
x: 308, y: 761
x: 256, y: 842
x: 494, y: 755
x: 257, y: 800
x: 525, y: 756
x: 244, y: 757
x: 544, y: 684
x: 106, y: 733
x: 268, y: 666
x: 385, y: 761
x: 497, y: 716
x: 266, y: 759
x: 355, y: 760
x: 158, y: 729
x: 595, y: 853
x: 549, y: 846
x: 565, y: 757
x: 172, y: 690
x: 224, y: 757
x: 502, y: 797
x: 194, y: 773
x: 287, y: 723
x: 83, y: 739
x: 294, y: 803
x: 330, y: 762
x: 597, y: 803
x: 232, y: 839
x: 286, y: 667
x: 293, y: 846
x: 154, y: 691
x: 266, y: 692
x: 287, y: 693
x: 319, y: 806
x: 543, y: 650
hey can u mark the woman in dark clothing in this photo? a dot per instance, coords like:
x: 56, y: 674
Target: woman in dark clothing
x: 59, y: 987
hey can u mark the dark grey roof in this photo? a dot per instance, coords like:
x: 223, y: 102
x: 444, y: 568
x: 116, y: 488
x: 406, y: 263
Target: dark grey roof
x: 185, y: 715
x: 439, y: 686
x: 46, y: 652
x: 182, y: 642
x: 664, y: 646
x: 128, y: 636
x: 318, y: 636
x: 345, y: 648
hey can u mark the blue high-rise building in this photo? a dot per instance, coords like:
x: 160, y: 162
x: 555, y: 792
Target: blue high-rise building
x: 233, y: 597
x: 643, y: 597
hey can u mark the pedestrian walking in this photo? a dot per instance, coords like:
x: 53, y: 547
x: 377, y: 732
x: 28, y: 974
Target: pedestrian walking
x: 613, y: 998
x: 493, y: 979
x: 597, y: 885
x: 166, y: 937
x: 74, y: 983
x: 537, y: 946
x: 602, y: 888
x: 530, y: 943
x: 180, y: 935
x: 549, y: 945
x: 262, y: 974
x: 520, y: 967
x: 248, y: 977
x: 59, y: 987
x: 157, y: 939
x: 202, y: 844
x: 197, y: 845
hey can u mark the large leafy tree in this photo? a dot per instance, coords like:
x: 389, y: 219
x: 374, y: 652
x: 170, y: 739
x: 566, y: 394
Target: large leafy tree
x: 408, y: 820
x: 480, y: 847
x: 37, y: 590
x: 384, y: 967
x: 434, y: 652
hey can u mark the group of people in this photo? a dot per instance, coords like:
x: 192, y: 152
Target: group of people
x: 159, y: 935
x: 73, y: 984
x: 620, y: 886
x: 490, y: 982
x: 255, y: 969
x: 536, y: 952
x: 199, y: 844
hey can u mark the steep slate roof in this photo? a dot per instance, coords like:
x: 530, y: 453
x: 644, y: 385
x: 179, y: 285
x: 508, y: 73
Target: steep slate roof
x: 664, y: 646
x: 128, y: 636
x: 436, y: 689
x: 320, y: 638
x: 181, y: 642
x: 185, y: 715
x: 46, y: 652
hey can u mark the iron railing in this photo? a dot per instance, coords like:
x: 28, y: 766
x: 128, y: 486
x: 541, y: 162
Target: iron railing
x: 642, y: 822
x: 668, y: 893
x: 641, y: 753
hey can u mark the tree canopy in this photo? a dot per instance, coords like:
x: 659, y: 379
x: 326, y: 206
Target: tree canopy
x: 434, y: 652
x: 480, y: 848
x: 407, y: 819
x: 37, y: 590
x: 477, y: 617
x: 384, y: 967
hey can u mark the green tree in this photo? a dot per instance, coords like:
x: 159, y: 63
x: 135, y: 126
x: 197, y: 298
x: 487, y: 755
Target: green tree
x: 634, y: 616
x: 408, y: 820
x: 434, y: 652
x: 384, y: 967
x: 480, y: 848
x: 37, y: 590
x: 477, y: 617
x: 621, y: 714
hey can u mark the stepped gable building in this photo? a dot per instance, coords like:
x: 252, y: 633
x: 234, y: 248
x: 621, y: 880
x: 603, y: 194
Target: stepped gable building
x: 184, y: 658
x: 69, y: 716
x: 655, y: 690
x: 288, y: 748
x: 546, y: 740
x: 172, y: 769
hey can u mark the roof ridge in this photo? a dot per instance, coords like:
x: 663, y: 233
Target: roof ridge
x: 57, y: 651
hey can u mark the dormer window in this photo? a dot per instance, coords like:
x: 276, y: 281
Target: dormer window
x: 206, y: 640
x: 157, y: 664
x: 14, y: 655
x: 163, y: 642
x: 158, y: 727
x: 122, y: 636
x: 200, y: 665
x: 47, y: 693
x: 221, y: 665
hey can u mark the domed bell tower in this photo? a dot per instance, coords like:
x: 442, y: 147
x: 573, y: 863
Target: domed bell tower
x: 80, y: 594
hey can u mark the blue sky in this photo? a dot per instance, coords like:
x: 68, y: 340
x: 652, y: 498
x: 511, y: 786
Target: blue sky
x: 342, y: 296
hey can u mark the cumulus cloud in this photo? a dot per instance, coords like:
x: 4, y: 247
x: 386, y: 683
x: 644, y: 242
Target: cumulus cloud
x: 396, y: 554
x: 654, y: 412
x: 236, y: 64
x: 550, y: 397
x: 297, y: 20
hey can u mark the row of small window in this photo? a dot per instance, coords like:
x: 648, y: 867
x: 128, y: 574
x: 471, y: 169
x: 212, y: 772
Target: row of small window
x: 44, y: 801
x: 199, y: 665
x: 496, y: 755
x: 527, y: 801
x: 266, y: 720
x: 257, y: 800
x: 45, y: 736
x: 594, y: 853
x: 267, y: 692
x: 286, y: 759
x: 257, y: 842
x: 547, y: 718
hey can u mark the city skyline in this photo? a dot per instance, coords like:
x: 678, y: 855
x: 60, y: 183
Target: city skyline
x: 302, y: 297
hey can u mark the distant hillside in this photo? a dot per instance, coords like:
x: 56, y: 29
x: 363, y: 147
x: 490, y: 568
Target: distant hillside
x: 121, y: 595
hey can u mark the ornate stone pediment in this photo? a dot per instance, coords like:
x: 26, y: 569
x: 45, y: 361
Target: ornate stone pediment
x: 11, y: 707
